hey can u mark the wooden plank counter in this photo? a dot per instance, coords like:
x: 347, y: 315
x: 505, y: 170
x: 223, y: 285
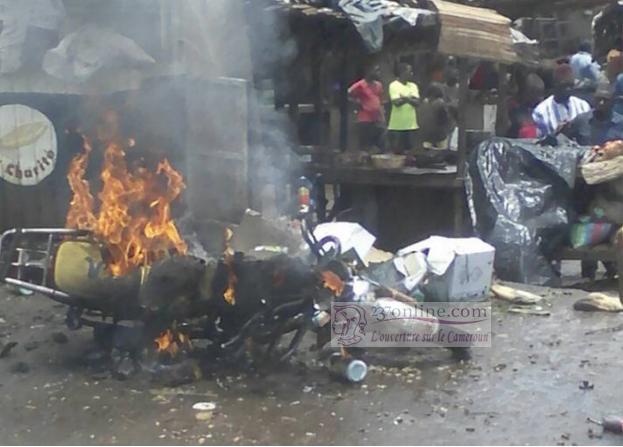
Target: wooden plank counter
x: 365, y: 175
x: 402, y: 194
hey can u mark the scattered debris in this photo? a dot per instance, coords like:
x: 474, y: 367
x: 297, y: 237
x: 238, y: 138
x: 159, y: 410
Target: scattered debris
x: 607, y: 330
x: 586, y: 385
x: 515, y: 296
x: 599, y: 302
x: 204, y: 406
x: 288, y: 419
x: 499, y: 367
x: 532, y: 310
x: 6, y: 349
x: 349, y: 369
x: 25, y: 292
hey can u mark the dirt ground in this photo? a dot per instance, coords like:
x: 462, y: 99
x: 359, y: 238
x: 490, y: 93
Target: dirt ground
x: 526, y: 389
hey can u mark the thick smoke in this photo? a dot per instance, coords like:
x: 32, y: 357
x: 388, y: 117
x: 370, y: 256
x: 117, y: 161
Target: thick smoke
x: 192, y: 79
x: 273, y: 136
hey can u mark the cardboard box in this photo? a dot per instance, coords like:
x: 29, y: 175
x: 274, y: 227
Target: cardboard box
x: 459, y: 269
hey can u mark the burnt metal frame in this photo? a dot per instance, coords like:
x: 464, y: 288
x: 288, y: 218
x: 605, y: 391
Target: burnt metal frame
x: 76, y: 316
x: 42, y: 262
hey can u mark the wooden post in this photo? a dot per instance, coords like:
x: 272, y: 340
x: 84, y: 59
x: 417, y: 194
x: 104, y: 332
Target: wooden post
x: 459, y: 214
x: 459, y: 192
x: 462, y: 116
x: 318, y: 100
x: 344, y: 115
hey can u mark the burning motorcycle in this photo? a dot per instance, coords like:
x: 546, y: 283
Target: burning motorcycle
x: 229, y: 302
x: 126, y: 270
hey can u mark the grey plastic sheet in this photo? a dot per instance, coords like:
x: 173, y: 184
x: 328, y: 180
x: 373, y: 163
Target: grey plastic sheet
x: 520, y: 195
x: 369, y: 17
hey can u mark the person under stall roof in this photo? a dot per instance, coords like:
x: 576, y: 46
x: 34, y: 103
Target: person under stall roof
x: 367, y: 94
x: 405, y: 97
x: 595, y: 128
x: 557, y: 111
x: 435, y: 118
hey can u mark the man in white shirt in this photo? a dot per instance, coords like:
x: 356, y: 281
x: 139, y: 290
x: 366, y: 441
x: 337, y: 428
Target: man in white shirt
x: 555, y: 112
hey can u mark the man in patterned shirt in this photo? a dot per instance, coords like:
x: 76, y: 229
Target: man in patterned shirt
x: 555, y: 112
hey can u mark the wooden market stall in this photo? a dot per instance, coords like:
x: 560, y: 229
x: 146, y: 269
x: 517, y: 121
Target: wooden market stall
x: 416, y: 199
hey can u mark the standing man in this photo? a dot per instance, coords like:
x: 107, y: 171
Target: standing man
x: 405, y: 97
x: 435, y: 117
x: 555, y: 112
x: 367, y: 94
x: 595, y: 128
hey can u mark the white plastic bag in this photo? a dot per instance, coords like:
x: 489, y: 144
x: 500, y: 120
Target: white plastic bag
x: 83, y: 53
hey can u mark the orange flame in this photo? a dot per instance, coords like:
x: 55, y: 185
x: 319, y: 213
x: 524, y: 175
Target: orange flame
x: 332, y: 282
x: 80, y: 213
x: 172, y: 342
x: 232, y: 279
x: 134, y: 217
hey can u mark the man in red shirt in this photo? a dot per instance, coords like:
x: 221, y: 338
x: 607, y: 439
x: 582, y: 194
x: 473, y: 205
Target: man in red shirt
x: 367, y: 94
